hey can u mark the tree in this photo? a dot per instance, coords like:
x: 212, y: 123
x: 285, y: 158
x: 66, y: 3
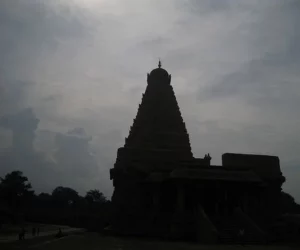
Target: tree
x: 15, y: 189
x: 44, y: 200
x: 65, y: 196
x: 288, y: 203
x: 95, y: 196
x: 44, y: 197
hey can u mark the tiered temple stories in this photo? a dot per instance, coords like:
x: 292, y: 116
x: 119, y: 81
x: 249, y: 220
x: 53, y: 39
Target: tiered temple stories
x: 162, y: 190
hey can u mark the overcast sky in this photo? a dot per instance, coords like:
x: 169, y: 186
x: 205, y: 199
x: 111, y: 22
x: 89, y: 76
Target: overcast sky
x: 235, y: 69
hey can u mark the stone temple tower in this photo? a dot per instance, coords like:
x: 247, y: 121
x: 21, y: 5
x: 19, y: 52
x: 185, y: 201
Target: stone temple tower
x: 158, y: 141
x: 162, y: 190
x: 158, y: 125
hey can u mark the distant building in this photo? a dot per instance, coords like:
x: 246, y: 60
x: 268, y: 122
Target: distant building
x: 162, y: 190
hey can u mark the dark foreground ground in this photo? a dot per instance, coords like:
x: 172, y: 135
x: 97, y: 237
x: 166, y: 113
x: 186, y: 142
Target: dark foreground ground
x: 93, y: 241
x: 9, y: 233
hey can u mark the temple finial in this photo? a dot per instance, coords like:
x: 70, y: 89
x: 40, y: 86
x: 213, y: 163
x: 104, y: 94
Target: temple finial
x: 159, y: 63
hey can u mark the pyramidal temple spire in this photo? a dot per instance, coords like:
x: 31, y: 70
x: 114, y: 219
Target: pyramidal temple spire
x: 158, y: 124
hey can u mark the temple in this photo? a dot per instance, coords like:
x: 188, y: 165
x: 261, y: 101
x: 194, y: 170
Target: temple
x: 161, y: 189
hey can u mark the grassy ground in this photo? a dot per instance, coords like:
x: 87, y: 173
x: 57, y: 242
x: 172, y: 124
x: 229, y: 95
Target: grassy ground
x: 10, y: 232
x: 10, y: 229
x: 93, y: 241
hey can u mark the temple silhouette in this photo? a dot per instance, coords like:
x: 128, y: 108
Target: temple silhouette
x: 161, y: 189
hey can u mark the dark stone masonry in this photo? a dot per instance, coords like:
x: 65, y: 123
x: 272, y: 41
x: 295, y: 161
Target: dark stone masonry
x: 162, y: 190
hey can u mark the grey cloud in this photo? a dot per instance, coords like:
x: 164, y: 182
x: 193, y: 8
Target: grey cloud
x: 13, y: 94
x: 23, y: 126
x: 272, y: 77
x: 270, y: 82
x: 28, y: 27
x: 206, y: 6
x: 69, y: 160
x: 29, y: 31
x: 21, y: 155
x: 74, y: 158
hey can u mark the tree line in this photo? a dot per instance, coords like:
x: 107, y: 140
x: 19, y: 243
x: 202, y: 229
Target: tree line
x: 64, y: 206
